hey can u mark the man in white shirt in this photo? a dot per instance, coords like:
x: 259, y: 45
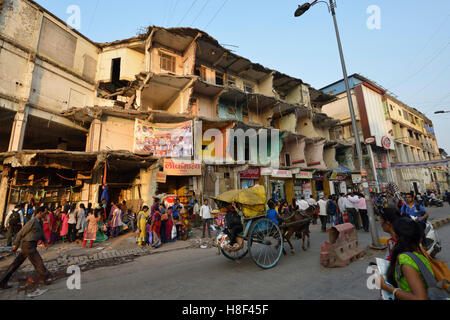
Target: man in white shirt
x: 205, y: 213
x: 311, y: 201
x: 341, y: 203
x: 196, y: 211
x: 323, y: 213
x: 302, y: 204
x: 351, y: 205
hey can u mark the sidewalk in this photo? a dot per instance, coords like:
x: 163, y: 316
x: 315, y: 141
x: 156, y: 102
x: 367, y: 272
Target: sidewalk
x: 116, y: 250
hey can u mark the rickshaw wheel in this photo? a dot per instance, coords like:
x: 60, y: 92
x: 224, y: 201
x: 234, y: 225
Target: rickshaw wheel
x: 265, y: 243
x: 236, y: 255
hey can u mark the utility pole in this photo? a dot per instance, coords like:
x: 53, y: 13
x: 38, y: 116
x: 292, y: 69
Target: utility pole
x: 370, y: 210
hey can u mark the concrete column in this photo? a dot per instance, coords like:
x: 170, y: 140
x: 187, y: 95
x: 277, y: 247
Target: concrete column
x: 95, y: 134
x: 18, y: 130
x: 3, y: 192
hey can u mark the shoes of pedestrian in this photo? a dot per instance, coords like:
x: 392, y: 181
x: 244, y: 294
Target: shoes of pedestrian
x: 4, y: 286
x: 49, y: 280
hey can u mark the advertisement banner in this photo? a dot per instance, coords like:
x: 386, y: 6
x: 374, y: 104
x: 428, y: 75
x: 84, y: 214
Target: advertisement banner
x: 182, y: 168
x: 251, y: 173
x: 307, y: 190
x: 281, y: 174
x: 173, y: 140
x: 304, y: 175
x: 161, y: 177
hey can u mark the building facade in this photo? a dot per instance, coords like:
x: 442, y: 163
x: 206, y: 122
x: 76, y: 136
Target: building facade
x: 399, y: 142
x: 170, y: 111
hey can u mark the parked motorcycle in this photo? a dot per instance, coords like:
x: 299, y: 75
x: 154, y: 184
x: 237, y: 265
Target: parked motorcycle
x: 435, y: 202
x: 432, y: 244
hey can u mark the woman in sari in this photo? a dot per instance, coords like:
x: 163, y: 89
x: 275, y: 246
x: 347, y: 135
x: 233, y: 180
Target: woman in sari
x: 90, y: 234
x: 64, y: 226
x: 170, y: 223
x: 56, y: 225
x: 47, y: 225
x: 100, y: 236
x: 142, y: 226
x: 156, y: 228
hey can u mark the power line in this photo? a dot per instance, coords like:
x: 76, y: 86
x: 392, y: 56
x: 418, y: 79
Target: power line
x: 187, y: 12
x: 429, y: 40
x: 432, y: 81
x: 201, y: 10
x: 423, y: 67
x: 215, y: 15
x: 93, y: 16
x: 174, y: 10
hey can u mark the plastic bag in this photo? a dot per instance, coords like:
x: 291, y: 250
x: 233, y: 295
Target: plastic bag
x: 174, y: 232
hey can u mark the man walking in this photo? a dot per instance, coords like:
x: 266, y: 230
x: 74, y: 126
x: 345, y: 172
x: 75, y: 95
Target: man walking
x: 350, y: 206
x: 415, y: 210
x: 362, y: 209
x: 27, y: 239
x: 205, y: 213
x: 323, y: 213
x: 13, y: 223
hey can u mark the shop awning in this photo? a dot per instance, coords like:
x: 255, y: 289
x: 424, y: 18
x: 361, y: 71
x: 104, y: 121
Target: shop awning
x: 342, y: 169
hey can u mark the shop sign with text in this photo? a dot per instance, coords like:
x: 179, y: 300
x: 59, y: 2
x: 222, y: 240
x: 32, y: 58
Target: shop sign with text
x: 251, y: 173
x: 182, y: 168
x: 304, y: 175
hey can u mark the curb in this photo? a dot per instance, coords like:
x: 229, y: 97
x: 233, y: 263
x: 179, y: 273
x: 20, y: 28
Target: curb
x: 440, y: 223
x: 64, y: 261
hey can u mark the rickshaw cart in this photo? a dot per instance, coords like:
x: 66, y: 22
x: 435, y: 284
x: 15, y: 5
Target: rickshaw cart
x: 262, y: 238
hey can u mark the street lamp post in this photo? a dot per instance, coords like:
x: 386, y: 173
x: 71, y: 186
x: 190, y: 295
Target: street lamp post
x: 370, y: 211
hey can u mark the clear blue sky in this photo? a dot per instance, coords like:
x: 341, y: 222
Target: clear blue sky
x: 409, y: 55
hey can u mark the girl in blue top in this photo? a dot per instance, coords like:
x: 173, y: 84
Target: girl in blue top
x: 272, y: 214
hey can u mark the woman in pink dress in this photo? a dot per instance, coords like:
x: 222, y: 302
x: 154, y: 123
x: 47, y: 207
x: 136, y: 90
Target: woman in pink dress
x: 90, y: 234
x: 47, y: 226
x: 64, y: 226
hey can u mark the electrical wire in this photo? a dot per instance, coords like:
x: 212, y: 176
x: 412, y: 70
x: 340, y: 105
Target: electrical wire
x: 215, y: 15
x: 424, y: 66
x: 200, y: 12
x: 93, y: 16
x: 187, y: 12
x: 173, y: 11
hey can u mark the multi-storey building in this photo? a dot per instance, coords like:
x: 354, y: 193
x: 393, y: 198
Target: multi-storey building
x: 401, y: 143
x: 78, y: 115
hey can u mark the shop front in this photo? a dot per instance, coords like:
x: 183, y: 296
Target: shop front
x: 302, y: 184
x: 337, y: 183
x: 250, y: 177
x: 179, y: 179
x: 279, y: 184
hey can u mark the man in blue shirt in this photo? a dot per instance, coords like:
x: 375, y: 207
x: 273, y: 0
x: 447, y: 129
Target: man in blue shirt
x: 413, y: 209
x: 176, y: 209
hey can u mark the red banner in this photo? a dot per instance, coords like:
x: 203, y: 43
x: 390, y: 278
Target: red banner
x: 251, y: 173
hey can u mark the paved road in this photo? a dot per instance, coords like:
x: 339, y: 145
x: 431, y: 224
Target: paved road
x: 201, y: 274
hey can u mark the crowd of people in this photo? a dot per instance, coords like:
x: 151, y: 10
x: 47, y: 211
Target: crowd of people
x: 73, y: 223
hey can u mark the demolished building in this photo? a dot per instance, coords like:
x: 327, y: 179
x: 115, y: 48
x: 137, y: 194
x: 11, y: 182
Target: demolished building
x: 76, y: 114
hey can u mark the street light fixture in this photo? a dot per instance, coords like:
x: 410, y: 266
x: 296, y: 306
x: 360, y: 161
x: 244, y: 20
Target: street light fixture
x: 438, y: 112
x: 370, y: 211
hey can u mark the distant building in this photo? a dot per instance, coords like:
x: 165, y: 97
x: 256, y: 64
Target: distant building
x: 404, y: 143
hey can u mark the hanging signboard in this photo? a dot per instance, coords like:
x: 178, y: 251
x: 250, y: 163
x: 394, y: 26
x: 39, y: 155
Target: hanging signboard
x: 163, y: 139
x: 307, y: 190
x: 304, y: 175
x: 281, y: 174
x: 182, y: 168
x: 161, y: 177
x: 356, y: 178
x: 251, y: 173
